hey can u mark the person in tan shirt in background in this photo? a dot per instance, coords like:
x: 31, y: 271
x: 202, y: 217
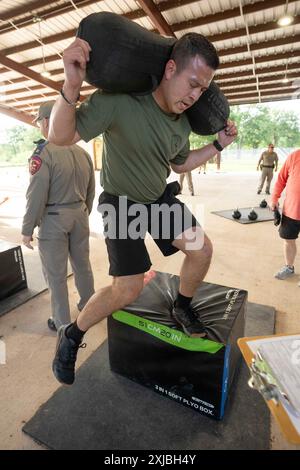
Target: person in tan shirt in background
x: 59, y: 200
x: 267, y: 162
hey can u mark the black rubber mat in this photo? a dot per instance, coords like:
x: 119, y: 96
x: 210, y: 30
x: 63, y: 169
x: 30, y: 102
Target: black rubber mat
x: 264, y: 215
x: 105, y: 411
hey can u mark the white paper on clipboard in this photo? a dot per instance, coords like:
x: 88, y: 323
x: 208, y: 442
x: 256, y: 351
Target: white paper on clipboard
x: 282, y: 354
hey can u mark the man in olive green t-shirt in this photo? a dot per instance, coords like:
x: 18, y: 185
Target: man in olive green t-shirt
x: 144, y: 137
x: 267, y: 163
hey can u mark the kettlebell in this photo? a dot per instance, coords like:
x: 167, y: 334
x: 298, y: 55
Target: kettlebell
x: 277, y: 217
x: 236, y: 214
x: 252, y: 215
x: 263, y: 204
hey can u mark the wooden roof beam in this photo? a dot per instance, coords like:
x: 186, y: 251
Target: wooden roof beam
x: 193, y: 23
x: 259, y: 46
x: 218, y: 76
x: 292, y: 66
x: 252, y: 80
x: 30, y: 106
x: 164, y: 27
x: 283, y: 91
x: 33, y: 44
x: 221, y: 53
x: 33, y: 105
x: 24, y: 79
x: 264, y: 100
x: 61, y: 9
x: 162, y: 6
x: 236, y: 33
x: 247, y: 89
x: 19, y: 115
x: 31, y: 74
x: 22, y: 9
x: 153, y: 13
x: 17, y: 91
x: 46, y: 94
x: 263, y: 5
x: 229, y: 14
x: 39, y: 61
x: 260, y: 59
x: 269, y: 87
x: 45, y: 13
x: 258, y: 71
x: 151, y: 10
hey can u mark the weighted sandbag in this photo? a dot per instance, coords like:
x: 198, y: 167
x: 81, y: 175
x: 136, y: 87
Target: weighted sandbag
x: 127, y: 58
x: 210, y: 113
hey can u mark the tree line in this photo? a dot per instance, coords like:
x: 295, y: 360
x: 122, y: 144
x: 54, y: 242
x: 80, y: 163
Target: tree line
x: 18, y: 144
x: 258, y: 125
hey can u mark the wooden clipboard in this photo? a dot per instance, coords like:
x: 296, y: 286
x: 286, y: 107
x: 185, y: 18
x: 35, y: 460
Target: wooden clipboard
x: 277, y: 410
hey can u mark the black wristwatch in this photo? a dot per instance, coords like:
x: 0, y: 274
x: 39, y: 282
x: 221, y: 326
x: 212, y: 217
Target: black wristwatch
x: 218, y: 146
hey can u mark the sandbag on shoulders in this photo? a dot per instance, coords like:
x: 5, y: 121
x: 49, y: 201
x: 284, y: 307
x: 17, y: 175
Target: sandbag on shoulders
x: 210, y: 113
x: 127, y: 58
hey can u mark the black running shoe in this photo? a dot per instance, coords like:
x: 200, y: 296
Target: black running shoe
x: 63, y: 365
x: 190, y: 324
x: 51, y: 324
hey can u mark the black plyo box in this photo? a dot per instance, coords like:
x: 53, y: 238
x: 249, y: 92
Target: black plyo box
x: 145, y: 345
x: 12, y: 270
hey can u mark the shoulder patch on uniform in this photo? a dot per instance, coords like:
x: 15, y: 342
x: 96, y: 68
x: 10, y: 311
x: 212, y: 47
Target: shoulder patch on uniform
x: 35, y: 161
x: 35, y: 164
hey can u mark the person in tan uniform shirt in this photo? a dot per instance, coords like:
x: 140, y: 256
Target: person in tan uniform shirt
x: 59, y: 200
x: 188, y: 174
x: 267, y: 162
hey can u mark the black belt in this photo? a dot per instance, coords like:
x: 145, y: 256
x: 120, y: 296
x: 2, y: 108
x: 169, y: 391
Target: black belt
x: 267, y: 166
x: 63, y: 203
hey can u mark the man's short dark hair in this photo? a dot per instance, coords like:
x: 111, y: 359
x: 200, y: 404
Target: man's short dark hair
x: 191, y: 45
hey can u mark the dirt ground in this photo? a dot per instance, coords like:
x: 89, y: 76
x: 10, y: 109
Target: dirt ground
x: 245, y: 256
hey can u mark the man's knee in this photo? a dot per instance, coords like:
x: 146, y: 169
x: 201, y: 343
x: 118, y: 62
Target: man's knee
x: 129, y: 287
x: 205, y: 251
x: 290, y: 242
x: 208, y: 247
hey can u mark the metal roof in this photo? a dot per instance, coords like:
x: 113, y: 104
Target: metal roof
x: 255, y: 53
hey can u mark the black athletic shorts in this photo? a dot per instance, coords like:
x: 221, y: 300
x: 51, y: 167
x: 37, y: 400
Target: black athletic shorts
x: 289, y: 228
x: 126, y: 224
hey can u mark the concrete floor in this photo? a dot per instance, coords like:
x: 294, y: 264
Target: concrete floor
x: 245, y: 256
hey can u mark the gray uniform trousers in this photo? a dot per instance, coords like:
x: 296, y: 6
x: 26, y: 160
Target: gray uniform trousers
x: 266, y: 173
x: 188, y: 174
x: 63, y: 235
